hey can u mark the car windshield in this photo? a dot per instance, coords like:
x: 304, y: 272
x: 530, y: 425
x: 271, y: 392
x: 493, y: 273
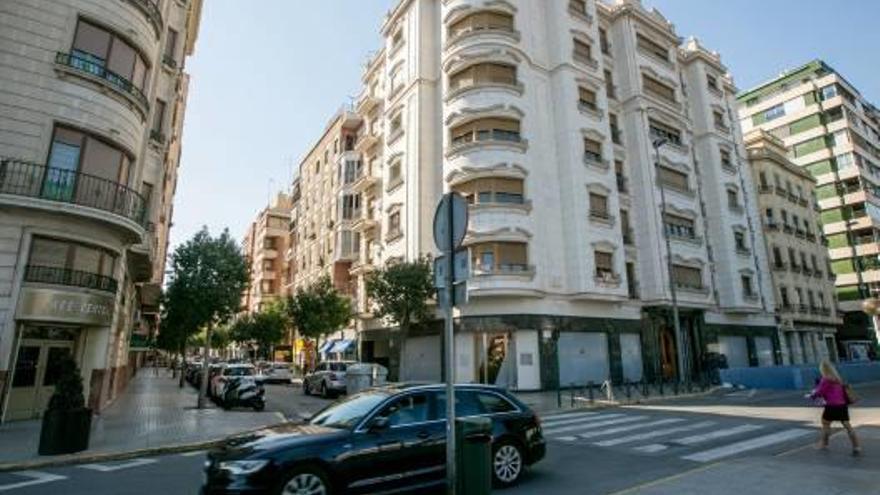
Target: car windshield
x: 338, y: 366
x: 348, y: 413
x: 239, y: 371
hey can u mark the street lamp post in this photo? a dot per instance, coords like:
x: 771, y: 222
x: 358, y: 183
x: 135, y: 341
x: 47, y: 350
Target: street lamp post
x: 679, y: 339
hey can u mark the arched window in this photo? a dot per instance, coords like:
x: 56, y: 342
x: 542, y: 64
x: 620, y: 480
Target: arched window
x: 481, y: 21
x: 483, y: 73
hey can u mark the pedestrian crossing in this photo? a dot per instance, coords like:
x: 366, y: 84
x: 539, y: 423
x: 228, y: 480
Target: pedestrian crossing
x: 698, y: 440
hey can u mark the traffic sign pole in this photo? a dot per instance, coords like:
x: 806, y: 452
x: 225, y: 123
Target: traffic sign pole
x: 450, y: 352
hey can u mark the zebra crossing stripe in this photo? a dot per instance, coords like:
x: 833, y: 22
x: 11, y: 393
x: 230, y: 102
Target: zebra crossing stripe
x: 651, y: 449
x: 590, y: 426
x: 554, y: 424
x: 729, y: 432
x: 566, y: 439
x: 567, y: 415
x: 621, y: 429
x: 106, y: 468
x: 33, y: 478
x: 751, y: 444
x: 653, y: 434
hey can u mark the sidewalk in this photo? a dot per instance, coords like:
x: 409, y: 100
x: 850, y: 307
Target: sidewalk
x: 546, y: 402
x: 152, y: 413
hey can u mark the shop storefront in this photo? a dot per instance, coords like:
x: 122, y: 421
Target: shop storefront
x: 52, y: 323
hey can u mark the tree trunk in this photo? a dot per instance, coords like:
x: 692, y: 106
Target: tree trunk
x: 182, y: 369
x: 404, y: 332
x: 203, y: 389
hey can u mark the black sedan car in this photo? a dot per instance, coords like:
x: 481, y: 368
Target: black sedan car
x: 389, y: 439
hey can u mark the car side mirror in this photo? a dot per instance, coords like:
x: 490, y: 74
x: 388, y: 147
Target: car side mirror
x: 378, y: 424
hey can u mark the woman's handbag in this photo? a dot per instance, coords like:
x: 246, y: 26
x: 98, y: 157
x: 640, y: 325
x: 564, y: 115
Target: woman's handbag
x: 850, y: 394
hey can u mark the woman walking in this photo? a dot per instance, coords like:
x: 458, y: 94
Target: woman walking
x: 833, y: 391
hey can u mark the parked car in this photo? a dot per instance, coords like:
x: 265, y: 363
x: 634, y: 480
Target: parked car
x: 277, y: 372
x: 328, y: 379
x: 224, y: 372
x: 385, y: 439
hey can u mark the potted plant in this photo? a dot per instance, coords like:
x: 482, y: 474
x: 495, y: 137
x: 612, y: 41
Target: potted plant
x: 67, y: 422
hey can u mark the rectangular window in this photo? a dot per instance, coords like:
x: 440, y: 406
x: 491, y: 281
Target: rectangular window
x: 603, y: 42
x: 587, y: 98
x: 171, y: 44
x: 677, y: 226
x: 68, y: 255
x: 828, y: 92
x: 604, y: 264
x: 659, y: 130
x: 673, y: 178
x: 615, y: 128
x: 394, y: 173
x: 652, y: 47
x: 739, y: 240
x: 718, y: 117
x: 578, y: 6
x: 727, y: 163
x: 783, y: 296
x: 658, y: 89
x: 499, y: 257
x: 95, y: 50
x: 774, y: 112
x: 592, y: 150
x: 777, y: 257
x: 712, y: 82
x: 488, y: 129
x: 158, y: 117
x: 747, y: 286
x: 687, y: 277
x: 609, y: 85
x: 598, y: 206
x: 583, y: 52
x: 394, y: 224
x: 481, y: 21
x: 732, y: 199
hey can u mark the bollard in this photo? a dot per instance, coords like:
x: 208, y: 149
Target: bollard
x: 628, y: 390
x: 646, y: 391
x: 590, y: 391
x: 558, y: 397
x: 571, y: 393
x: 661, y: 387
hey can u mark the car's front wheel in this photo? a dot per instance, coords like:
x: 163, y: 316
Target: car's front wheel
x: 507, y: 463
x: 306, y: 481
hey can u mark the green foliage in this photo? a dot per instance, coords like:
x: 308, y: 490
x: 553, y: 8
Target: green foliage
x: 318, y: 309
x: 208, y: 276
x: 68, y: 395
x: 265, y: 328
x: 401, y: 292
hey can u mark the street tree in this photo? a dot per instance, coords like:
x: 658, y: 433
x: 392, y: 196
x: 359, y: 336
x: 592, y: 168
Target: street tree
x: 401, y: 292
x: 208, y: 276
x: 318, y: 310
x: 263, y: 329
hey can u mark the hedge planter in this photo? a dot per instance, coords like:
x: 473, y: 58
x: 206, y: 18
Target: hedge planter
x: 65, y: 431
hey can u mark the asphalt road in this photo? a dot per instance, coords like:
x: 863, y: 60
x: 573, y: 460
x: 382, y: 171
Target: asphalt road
x: 589, y: 452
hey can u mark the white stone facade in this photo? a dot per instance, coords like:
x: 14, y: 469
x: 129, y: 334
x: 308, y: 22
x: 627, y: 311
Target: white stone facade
x: 88, y: 165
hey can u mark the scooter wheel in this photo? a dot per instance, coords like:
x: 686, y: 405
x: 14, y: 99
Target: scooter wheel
x: 259, y: 406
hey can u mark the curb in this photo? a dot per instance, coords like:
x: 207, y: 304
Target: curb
x: 72, y: 459
x: 583, y: 403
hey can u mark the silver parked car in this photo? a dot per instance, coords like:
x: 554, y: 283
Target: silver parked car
x: 277, y: 372
x: 328, y: 379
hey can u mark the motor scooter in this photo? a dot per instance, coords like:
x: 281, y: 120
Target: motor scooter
x: 243, y: 391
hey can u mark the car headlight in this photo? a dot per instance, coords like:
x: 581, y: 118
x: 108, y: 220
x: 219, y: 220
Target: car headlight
x: 242, y: 467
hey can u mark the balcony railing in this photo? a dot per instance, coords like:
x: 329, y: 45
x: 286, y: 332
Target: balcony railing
x: 72, y: 278
x: 30, y: 180
x: 169, y: 61
x: 150, y: 8
x: 97, y: 70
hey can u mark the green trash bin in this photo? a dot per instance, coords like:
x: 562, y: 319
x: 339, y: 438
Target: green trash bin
x: 473, y: 441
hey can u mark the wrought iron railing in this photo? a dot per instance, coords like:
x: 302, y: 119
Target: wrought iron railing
x: 98, y: 70
x: 73, y: 278
x: 30, y: 180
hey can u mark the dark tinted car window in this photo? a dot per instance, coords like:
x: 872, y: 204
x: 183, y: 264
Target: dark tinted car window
x: 338, y: 366
x: 407, y: 410
x: 493, y: 403
x: 239, y: 372
x: 466, y: 404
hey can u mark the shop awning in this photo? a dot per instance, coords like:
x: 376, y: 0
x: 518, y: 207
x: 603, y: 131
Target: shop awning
x: 343, y: 345
x: 326, y: 346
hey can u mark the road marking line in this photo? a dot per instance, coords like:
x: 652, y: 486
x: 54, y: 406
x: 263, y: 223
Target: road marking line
x: 195, y: 453
x: 566, y: 439
x: 36, y: 478
x: 566, y: 416
x: 554, y: 424
x: 651, y: 449
x: 621, y: 429
x: 653, y: 434
x: 751, y: 444
x: 105, y: 468
x: 729, y: 432
x: 590, y: 426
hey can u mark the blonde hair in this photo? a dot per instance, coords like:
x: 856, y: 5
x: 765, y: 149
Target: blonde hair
x: 829, y: 371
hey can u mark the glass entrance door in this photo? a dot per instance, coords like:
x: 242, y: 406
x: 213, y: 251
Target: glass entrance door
x: 34, y: 377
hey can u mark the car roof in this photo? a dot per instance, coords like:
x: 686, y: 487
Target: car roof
x: 239, y: 365
x: 409, y: 386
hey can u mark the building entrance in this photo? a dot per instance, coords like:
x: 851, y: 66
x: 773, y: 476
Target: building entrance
x: 37, y: 369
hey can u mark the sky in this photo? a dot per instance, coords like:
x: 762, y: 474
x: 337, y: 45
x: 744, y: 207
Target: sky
x: 265, y: 81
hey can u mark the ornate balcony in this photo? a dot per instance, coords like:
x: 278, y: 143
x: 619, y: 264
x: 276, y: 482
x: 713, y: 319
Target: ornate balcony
x: 19, y: 178
x: 99, y: 74
x: 71, y: 278
x: 150, y: 8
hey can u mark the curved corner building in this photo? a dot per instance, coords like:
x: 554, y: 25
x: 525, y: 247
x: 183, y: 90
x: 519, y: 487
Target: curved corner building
x: 92, y: 98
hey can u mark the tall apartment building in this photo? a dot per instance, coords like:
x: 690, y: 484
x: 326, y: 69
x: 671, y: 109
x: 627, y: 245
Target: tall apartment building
x: 92, y: 99
x: 831, y: 131
x: 265, y: 246
x: 544, y: 115
x: 802, y: 280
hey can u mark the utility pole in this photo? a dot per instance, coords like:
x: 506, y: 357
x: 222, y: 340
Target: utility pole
x: 679, y: 338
